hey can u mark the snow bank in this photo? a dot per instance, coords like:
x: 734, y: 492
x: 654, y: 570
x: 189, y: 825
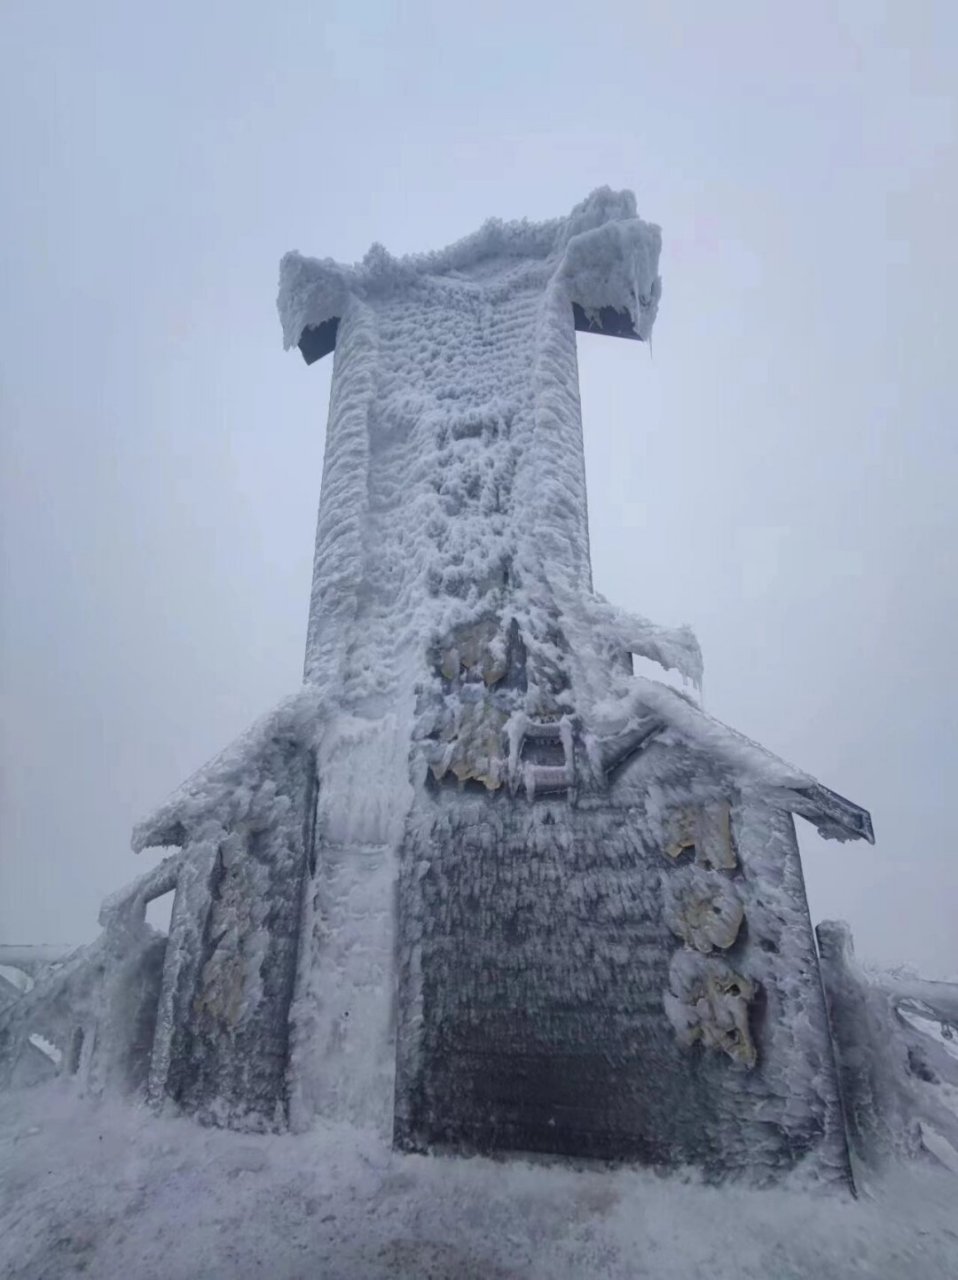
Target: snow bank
x: 113, y: 1192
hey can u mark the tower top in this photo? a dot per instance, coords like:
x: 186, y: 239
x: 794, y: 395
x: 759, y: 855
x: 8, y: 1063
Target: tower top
x: 608, y: 256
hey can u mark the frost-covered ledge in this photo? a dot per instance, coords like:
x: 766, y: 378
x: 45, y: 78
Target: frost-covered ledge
x: 757, y: 769
x: 219, y: 794
x: 604, y: 255
x: 243, y: 827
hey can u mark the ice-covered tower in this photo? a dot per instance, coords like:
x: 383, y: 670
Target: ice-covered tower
x: 602, y: 939
x: 477, y: 881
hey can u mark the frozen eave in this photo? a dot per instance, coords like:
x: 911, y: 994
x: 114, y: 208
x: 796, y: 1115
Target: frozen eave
x: 318, y: 340
x: 835, y: 817
x: 652, y: 708
x: 609, y: 321
x: 216, y: 791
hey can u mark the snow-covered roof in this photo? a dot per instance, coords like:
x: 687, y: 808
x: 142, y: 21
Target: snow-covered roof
x: 835, y: 817
x: 218, y: 791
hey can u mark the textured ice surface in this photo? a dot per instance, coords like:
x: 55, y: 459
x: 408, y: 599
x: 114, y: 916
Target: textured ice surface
x: 459, y: 847
x: 896, y: 1036
x: 536, y: 961
x: 607, y: 256
x: 113, y: 1192
x: 90, y: 1016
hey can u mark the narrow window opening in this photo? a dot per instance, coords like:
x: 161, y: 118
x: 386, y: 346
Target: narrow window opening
x: 653, y: 671
x: 159, y: 912
x: 76, y: 1051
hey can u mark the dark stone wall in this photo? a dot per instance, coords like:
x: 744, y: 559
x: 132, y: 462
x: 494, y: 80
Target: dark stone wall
x: 230, y: 1038
x: 533, y: 963
x: 540, y: 962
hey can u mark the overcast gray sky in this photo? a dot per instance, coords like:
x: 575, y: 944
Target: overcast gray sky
x: 781, y: 473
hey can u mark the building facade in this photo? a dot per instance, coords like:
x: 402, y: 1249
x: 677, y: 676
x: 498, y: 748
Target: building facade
x: 477, y: 882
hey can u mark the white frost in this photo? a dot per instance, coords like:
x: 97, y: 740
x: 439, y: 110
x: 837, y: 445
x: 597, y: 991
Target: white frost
x: 113, y: 1192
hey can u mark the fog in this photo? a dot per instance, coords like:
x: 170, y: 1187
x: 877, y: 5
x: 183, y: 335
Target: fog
x: 779, y: 469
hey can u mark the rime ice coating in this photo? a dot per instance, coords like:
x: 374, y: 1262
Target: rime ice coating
x: 447, y: 467
x: 452, y: 610
x: 476, y: 880
x: 607, y: 256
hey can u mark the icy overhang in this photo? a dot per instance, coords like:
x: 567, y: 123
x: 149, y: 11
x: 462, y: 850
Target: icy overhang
x: 654, y: 709
x: 834, y: 817
x: 218, y: 795
x: 602, y: 254
x: 319, y: 340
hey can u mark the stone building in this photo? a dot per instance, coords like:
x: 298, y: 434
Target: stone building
x: 477, y: 882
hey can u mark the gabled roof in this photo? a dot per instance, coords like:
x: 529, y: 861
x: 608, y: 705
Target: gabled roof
x: 649, y: 701
x: 625, y: 725
x: 216, y: 790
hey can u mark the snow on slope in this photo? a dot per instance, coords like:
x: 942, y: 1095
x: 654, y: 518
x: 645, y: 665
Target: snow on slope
x: 111, y: 1191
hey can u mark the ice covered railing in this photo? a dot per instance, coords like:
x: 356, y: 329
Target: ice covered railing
x: 98, y: 1007
x: 896, y: 1038
x: 604, y: 254
x: 21, y: 968
x: 89, y: 1015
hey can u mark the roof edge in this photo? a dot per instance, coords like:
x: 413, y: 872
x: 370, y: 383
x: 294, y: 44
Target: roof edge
x: 832, y: 815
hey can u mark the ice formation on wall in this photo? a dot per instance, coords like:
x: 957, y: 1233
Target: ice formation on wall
x: 477, y: 881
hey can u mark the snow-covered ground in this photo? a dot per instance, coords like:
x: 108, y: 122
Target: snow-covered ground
x: 108, y: 1190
